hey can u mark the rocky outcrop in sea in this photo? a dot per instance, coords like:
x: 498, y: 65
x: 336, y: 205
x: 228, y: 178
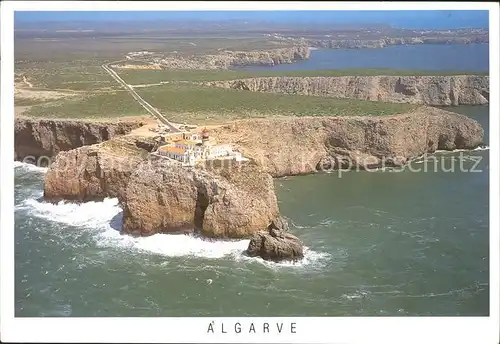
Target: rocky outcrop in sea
x: 227, y: 202
x: 275, y: 243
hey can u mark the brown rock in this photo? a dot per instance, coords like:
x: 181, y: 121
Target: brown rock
x: 275, y: 244
x: 47, y: 137
x: 431, y: 37
x: 300, y: 145
x: 93, y: 172
x: 428, y: 90
x: 227, y: 59
x: 158, y: 195
x: 162, y: 196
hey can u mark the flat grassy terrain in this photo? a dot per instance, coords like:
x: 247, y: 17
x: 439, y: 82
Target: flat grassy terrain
x: 70, y: 47
x: 198, y: 104
x: 103, y: 105
x: 28, y: 101
x: 72, y: 75
x: 135, y: 77
x: 71, y: 62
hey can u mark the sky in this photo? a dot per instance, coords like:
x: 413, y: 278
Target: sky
x: 424, y: 19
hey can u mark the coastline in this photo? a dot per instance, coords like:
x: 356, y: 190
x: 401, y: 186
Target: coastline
x: 428, y: 90
x: 121, y: 167
x: 110, y: 158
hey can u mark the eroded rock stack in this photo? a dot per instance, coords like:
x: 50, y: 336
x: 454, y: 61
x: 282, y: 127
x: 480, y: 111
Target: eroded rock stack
x: 276, y: 244
x: 162, y: 196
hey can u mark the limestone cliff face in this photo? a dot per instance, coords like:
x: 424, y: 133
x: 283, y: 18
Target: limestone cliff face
x: 96, y: 171
x: 481, y: 37
x: 238, y: 200
x: 429, y: 90
x: 44, y: 137
x: 229, y: 59
x: 292, y: 146
x: 160, y: 196
x: 221, y: 203
x: 384, y: 42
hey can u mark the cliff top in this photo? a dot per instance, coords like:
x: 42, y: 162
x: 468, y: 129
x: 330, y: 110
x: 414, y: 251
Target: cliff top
x: 145, y: 77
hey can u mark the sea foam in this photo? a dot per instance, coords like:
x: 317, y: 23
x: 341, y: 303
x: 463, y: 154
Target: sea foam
x: 26, y: 167
x: 103, y: 221
x: 480, y: 148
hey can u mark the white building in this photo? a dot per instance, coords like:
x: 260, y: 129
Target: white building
x: 176, y: 153
x: 191, y: 149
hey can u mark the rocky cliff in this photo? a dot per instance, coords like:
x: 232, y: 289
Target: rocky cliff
x: 375, y: 42
x: 220, y: 203
x: 229, y: 59
x: 291, y: 146
x: 158, y: 195
x: 384, y: 42
x: 96, y: 171
x: 44, y: 137
x: 430, y: 90
x: 238, y: 200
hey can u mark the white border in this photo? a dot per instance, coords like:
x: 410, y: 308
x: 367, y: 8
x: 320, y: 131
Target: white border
x: 244, y: 5
x: 179, y: 330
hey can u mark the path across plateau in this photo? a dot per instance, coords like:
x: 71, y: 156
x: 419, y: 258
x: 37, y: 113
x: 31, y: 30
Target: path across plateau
x: 150, y: 109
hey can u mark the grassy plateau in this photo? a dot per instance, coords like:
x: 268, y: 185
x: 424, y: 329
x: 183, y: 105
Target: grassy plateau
x: 66, y: 64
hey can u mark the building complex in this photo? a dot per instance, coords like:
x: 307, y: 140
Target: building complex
x: 189, y: 148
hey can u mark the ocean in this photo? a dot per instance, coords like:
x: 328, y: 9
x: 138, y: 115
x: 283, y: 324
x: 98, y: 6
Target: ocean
x: 463, y: 57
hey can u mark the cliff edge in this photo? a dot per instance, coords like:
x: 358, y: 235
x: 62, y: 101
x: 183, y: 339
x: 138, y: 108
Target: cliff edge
x: 428, y: 90
x: 161, y: 196
x: 238, y: 200
x: 228, y: 59
x: 300, y: 145
x: 46, y: 137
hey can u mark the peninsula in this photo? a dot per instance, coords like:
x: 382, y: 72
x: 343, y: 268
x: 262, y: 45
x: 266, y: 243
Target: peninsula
x: 187, y: 144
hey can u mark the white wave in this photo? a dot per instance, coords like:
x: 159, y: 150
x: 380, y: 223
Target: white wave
x: 29, y: 167
x: 480, y: 148
x: 388, y: 169
x: 313, y: 48
x: 356, y: 295
x: 103, y: 220
x: 311, y: 258
x: 175, y: 245
x: 88, y: 215
x: 484, y: 148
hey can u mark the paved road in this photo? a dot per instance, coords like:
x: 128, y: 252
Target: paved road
x: 151, y: 110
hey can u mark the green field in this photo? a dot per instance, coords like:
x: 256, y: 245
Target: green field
x: 76, y: 75
x: 198, y: 104
x: 135, y: 77
x: 104, y: 105
x: 75, y: 64
x: 187, y: 102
